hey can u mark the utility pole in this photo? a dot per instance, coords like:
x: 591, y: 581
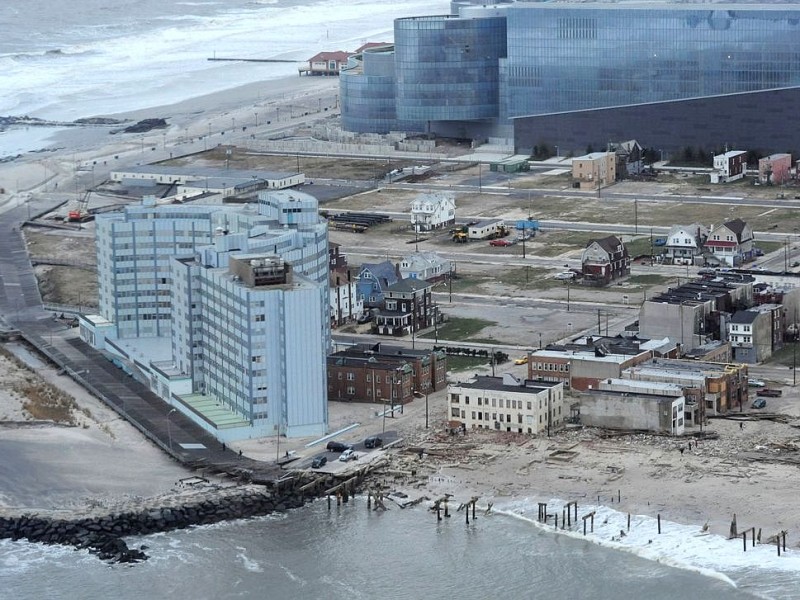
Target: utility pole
x: 635, y: 215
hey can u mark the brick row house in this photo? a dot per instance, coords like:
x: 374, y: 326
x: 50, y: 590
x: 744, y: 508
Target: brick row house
x: 375, y: 373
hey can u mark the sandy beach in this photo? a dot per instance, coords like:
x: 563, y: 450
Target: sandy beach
x: 649, y: 475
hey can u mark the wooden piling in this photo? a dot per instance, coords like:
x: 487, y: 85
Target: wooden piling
x: 369, y: 499
x: 556, y: 516
x: 466, y: 513
x: 474, y: 502
x: 659, y: 523
x: 778, y: 543
x: 629, y: 521
x: 744, y: 541
x: 619, y: 496
x: 329, y: 501
x: 563, y: 517
x: 446, y: 511
x: 783, y: 535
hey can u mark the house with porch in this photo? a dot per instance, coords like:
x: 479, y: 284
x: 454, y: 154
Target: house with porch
x: 731, y: 243
x: 407, y: 308
x: 685, y: 244
x: 433, y: 211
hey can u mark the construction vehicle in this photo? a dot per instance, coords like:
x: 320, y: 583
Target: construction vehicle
x: 460, y: 234
x: 80, y: 213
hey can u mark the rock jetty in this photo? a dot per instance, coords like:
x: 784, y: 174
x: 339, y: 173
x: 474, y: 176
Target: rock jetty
x: 103, y: 534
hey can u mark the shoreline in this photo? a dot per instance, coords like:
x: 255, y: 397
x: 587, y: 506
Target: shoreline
x: 708, y: 485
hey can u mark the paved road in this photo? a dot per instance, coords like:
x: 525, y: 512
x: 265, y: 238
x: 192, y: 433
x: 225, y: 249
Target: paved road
x: 21, y: 307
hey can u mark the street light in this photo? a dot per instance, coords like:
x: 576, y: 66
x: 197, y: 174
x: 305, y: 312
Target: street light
x: 169, y: 427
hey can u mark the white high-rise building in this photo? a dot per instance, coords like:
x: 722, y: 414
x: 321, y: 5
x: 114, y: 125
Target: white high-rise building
x: 222, y: 311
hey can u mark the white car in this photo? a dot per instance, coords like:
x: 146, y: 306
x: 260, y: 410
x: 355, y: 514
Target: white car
x: 755, y: 383
x: 347, y: 455
x: 566, y: 275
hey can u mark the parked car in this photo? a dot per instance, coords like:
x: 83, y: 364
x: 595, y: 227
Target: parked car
x: 769, y: 393
x: 759, y: 403
x: 522, y: 360
x: 501, y: 242
x: 364, y: 318
x: 660, y: 242
x: 755, y: 382
x: 319, y: 461
x: 566, y: 275
x: 347, y: 455
x: 373, y: 442
x: 338, y: 446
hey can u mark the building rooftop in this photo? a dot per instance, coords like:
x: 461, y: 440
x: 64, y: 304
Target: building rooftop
x: 696, y: 292
x: 508, y: 383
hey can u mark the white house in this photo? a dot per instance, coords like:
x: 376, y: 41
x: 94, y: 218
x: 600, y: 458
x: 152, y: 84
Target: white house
x: 684, y: 243
x: 346, y: 304
x: 433, y: 211
x: 507, y: 404
x: 427, y: 266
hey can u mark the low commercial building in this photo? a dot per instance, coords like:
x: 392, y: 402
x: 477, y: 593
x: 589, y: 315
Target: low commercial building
x: 721, y: 387
x: 693, y: 313
x: 593, y: 171
x: 634, y: 406
x: 507, y: 404
x: 192, y: 180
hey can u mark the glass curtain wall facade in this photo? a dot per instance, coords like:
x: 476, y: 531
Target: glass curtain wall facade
x: 565, y: 58
x: 367, y: 90
x: 447, y: 68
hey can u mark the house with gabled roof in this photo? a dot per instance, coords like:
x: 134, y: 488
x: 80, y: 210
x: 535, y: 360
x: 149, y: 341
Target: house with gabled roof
x: 684, y: 243
x: 604, y: 260
x: 731, y: 243
x: 427, y: 266
x: 407, y: 308
x: 433, y: 211
x: 373, y: 281
x: 326, y: 63
x: 629, y: 158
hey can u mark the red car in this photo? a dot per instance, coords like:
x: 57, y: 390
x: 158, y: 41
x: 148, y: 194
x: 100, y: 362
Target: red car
x: 501, y: 242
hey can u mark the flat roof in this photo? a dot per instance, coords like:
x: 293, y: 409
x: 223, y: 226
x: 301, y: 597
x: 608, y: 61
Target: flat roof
x: 530, y: 386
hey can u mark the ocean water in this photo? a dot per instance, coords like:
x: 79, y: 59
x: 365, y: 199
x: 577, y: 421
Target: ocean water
x: 67, y: 60
x: 352, y: 553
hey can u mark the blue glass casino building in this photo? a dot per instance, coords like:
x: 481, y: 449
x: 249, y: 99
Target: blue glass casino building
x: 580, y: 74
